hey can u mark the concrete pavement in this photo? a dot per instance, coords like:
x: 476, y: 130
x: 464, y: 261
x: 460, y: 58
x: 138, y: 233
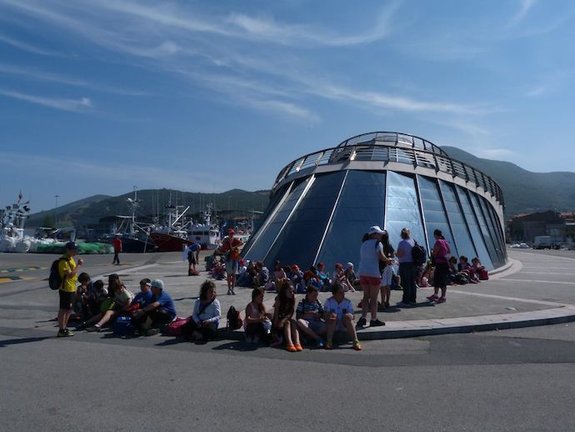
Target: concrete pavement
x: 536, y: 288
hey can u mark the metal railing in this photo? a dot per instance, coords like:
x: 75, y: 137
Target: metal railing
x: 394, y: 148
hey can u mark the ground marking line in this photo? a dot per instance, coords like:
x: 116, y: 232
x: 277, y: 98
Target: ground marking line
x: 537, y: 281
x: 517, y: 299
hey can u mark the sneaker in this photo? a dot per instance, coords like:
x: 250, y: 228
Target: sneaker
x: 152, y: 332
x: 328, y: 345
x: 61, y: 333
x: 376, y: 323
x: 441, y: 300
x: 432, y: 298
x: 319, y: 344
x: 357, y: 346
x: 69, y: 333
x: 95, y: 328
x: 361, y: 322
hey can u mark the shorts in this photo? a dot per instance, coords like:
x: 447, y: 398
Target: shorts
x: 192, y: 259
x: 66, y: 299
x: 369, y: 280
x: 315, y: 325
x: 232, y: 267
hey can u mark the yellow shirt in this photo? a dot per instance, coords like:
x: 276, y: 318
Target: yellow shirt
x: 68, y: 265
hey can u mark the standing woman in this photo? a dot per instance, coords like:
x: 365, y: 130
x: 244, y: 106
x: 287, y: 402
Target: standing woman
x: 440, y: 255
x: 371, y: 253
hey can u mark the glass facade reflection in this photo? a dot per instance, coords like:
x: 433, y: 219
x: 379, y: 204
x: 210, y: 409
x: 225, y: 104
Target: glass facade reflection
x: 322, y: 203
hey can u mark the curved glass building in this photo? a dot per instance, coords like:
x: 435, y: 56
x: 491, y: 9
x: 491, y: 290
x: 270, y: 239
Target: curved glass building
x: 322, y: 203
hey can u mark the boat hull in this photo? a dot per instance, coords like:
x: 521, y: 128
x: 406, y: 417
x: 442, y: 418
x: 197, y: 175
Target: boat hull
x: 168, y: 242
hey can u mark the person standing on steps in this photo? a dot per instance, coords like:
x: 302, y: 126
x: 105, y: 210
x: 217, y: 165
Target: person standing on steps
x: 371, y: 253
x: 68, y: 270
x: 231, y: 248
x: 407, y: 268
x: 117, y: 244
x: 440, y: 255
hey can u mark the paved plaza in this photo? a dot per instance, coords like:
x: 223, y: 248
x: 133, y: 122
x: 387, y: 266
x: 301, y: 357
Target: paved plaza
x: 517, y: 379
x: 535, y: 288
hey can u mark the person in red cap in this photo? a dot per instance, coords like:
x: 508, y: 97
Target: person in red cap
x: 231, y: 248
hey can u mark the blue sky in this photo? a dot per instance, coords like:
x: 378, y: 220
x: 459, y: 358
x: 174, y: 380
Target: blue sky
x: 101, y: 96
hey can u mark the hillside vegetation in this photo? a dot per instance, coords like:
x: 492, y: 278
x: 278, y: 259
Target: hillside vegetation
x: 524, y: 192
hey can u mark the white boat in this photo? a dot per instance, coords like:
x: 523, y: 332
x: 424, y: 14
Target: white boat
x: 12, y: 219
x: 205, y: 233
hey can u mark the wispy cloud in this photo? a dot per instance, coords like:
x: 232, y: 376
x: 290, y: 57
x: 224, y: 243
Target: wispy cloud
x: 524, y: 7
x: 74, y: 105
x: 40, y: 75
x: 27, y: 47
x: 113, y: 176
x: 494, y: 153
x: 268, y: 29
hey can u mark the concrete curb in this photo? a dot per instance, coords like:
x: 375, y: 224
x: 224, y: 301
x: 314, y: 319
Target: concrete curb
x: 403, y: 329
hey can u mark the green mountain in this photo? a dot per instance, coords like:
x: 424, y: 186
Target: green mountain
x: 152, y: 203
x: 524, y: 191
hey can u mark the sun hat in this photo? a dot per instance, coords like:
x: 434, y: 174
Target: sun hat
x: 158, y: 283
x: 375, y: 230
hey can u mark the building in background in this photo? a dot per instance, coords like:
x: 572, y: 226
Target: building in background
x: 322, y: 203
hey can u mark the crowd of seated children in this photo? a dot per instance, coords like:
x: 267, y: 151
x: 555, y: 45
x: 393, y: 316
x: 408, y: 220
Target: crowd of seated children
x: 465, y: 267
x: 323, y: 277
x: 310, y: 314
x: 151, y: 312
x: 276, y: 278
x: 351, y: 276
x: 118, y: 301
x: 262, y: 274
x: 284, y: 323
x: 246, y: 276
x: 257, y: 323
x: 203, y: 324
x: 479, y: 269
x: 341, y: 277
x: 296, y: 278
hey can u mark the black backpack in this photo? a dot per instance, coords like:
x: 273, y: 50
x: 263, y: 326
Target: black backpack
x: 418, y: 254
x: 54, y: 280
x: 234, y: 320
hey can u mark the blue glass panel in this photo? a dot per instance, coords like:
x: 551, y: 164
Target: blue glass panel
x: 300, y: 239
x: 487, y: 238
x: 259, y: 249
x: 476, y: 235
x: 402, y: 208
x: 461, y: 236
x: 493, y: 232
x: 434, y: 213
x: 360, y: 206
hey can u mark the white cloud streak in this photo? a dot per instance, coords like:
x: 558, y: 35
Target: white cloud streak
x: 27, y: 47
x: 40, y: 75
x: 524, y: 7
x: 73, y: 105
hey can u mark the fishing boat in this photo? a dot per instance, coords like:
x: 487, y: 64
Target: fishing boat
x: 12, y: 219
x: 206, y: 234
x: 134, y: 235
x: 172, y: 237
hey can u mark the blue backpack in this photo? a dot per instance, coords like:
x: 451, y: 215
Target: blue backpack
x: 123, y: 326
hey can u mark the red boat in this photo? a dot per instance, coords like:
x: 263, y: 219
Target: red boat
x: 169, y: 242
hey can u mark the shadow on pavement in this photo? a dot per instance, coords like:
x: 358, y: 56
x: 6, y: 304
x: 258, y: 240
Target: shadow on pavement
x: 8, y: 342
